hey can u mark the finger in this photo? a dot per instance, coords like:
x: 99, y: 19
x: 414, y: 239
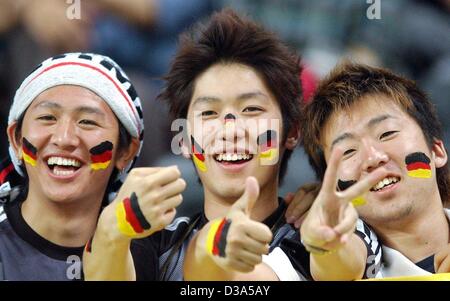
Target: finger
x: 293, y: 204
x: 348, y: 222
x: 250, y: 257
x: 288, y: 198
x: 240, y: 266
x: 330, y: 178
x: 363, y: 186
x: 303, y: 206
x: 171, y: 203
x: 319, y: 236
x: 255, y: 246
x: 259, y: 232
x: 168, y: 217
x: 144, y: 171
x: 163, y: 176
x: 172, y: 189
x: 248, y: 199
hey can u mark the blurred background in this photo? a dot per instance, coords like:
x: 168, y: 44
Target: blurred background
x: 411, y: 37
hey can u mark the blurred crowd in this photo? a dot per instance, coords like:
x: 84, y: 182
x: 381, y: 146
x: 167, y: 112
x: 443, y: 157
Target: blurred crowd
x: 411, y: 37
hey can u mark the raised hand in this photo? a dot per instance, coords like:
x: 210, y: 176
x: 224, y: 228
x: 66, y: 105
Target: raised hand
x: 146, y: 202
x: 236, y: 242
x: 332, y: 217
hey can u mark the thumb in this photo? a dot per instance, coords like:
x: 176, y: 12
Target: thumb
x: 248, y: 199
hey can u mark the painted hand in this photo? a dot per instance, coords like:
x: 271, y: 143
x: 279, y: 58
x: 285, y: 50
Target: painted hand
x: 146, y: 202
x: 237, y: 242
x: 300, y: 202
x: 332, y: 217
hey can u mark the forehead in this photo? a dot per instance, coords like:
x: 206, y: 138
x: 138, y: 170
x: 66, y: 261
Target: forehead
x: 227, y: 81
x: 70, y: 97
x: 357, y: 117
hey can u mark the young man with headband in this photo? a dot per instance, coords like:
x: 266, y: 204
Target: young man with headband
x: 75, y: 129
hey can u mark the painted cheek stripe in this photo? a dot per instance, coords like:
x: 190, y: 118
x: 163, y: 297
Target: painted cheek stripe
x: 268, y: 147
x: 198, y: 155
x: 101, y: 155
x: 29, y: 152
x: 418, y: 165
x: 343, y: 185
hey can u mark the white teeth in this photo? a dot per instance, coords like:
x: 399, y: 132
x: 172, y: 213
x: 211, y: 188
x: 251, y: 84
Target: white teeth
x: 63, y: 161
x: 62, y: 172
x: 385, y: 182
x: 232, y: 157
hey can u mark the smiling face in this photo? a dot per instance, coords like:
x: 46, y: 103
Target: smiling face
x: 376, y: 132
x: 230, y: 108
x: 63, y: 124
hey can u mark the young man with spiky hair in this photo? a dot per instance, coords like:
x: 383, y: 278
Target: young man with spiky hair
x: 363, y: 123
x: 233, y: 77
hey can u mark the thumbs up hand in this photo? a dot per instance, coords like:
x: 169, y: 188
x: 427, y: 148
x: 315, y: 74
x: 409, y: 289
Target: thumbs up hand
x: 236, y: 242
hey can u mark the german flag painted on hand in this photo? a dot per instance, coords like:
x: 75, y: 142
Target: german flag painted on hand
x: 216, y: 240
x: 130, y: 219
x: 198, y: 155
x: 101, y: 155
x: 418, y: 165
x: 29, y: 152
x: 268, y: 147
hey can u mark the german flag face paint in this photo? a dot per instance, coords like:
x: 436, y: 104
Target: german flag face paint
x: 216, y: 240
x: 268, y: 148
x: 130, y: 219
x: 343, y: 185
x: 198, y: 155
x: 418, y: 165
x: 101, y: 155
x: 29, y: 152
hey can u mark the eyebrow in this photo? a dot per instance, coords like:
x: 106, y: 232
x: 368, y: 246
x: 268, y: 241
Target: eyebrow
x: 81, y: 109
x: 240, y: 97
x: 372, y: 122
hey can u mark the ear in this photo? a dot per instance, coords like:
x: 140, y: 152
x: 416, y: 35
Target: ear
x: 125, y: 156
x: 185, y: 149
x: 292, y: 138
x: 16, y: 143
x: 439, y: 153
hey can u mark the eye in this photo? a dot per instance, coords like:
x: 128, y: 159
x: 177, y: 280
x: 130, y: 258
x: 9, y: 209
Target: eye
x: 47, y: 118
x: 88, y: 122
x: 387, y: 134
x: 208, y: 113
x: 252, y: 109
x: 349, y: 151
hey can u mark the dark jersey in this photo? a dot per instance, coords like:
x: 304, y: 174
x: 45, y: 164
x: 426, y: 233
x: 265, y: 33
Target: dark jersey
x: 25, y: 255
x: 161, y: 255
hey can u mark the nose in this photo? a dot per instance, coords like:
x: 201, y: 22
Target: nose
x: 232, y: 129
x: 373, y: 157
x: 64, y: 135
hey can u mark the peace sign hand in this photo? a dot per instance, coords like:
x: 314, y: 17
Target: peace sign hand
x: 332, y: 217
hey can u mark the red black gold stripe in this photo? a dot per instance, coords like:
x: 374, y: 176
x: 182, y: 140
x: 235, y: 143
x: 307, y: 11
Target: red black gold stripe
x: 343, y: 185
x: 138, y: 213
x: 130, y: 219
x: 418, y: 165
x: 216, y: 241
x: 198, y: 155
x: 101, y: 155
x: 29, y: 152
x: 268, y: 147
